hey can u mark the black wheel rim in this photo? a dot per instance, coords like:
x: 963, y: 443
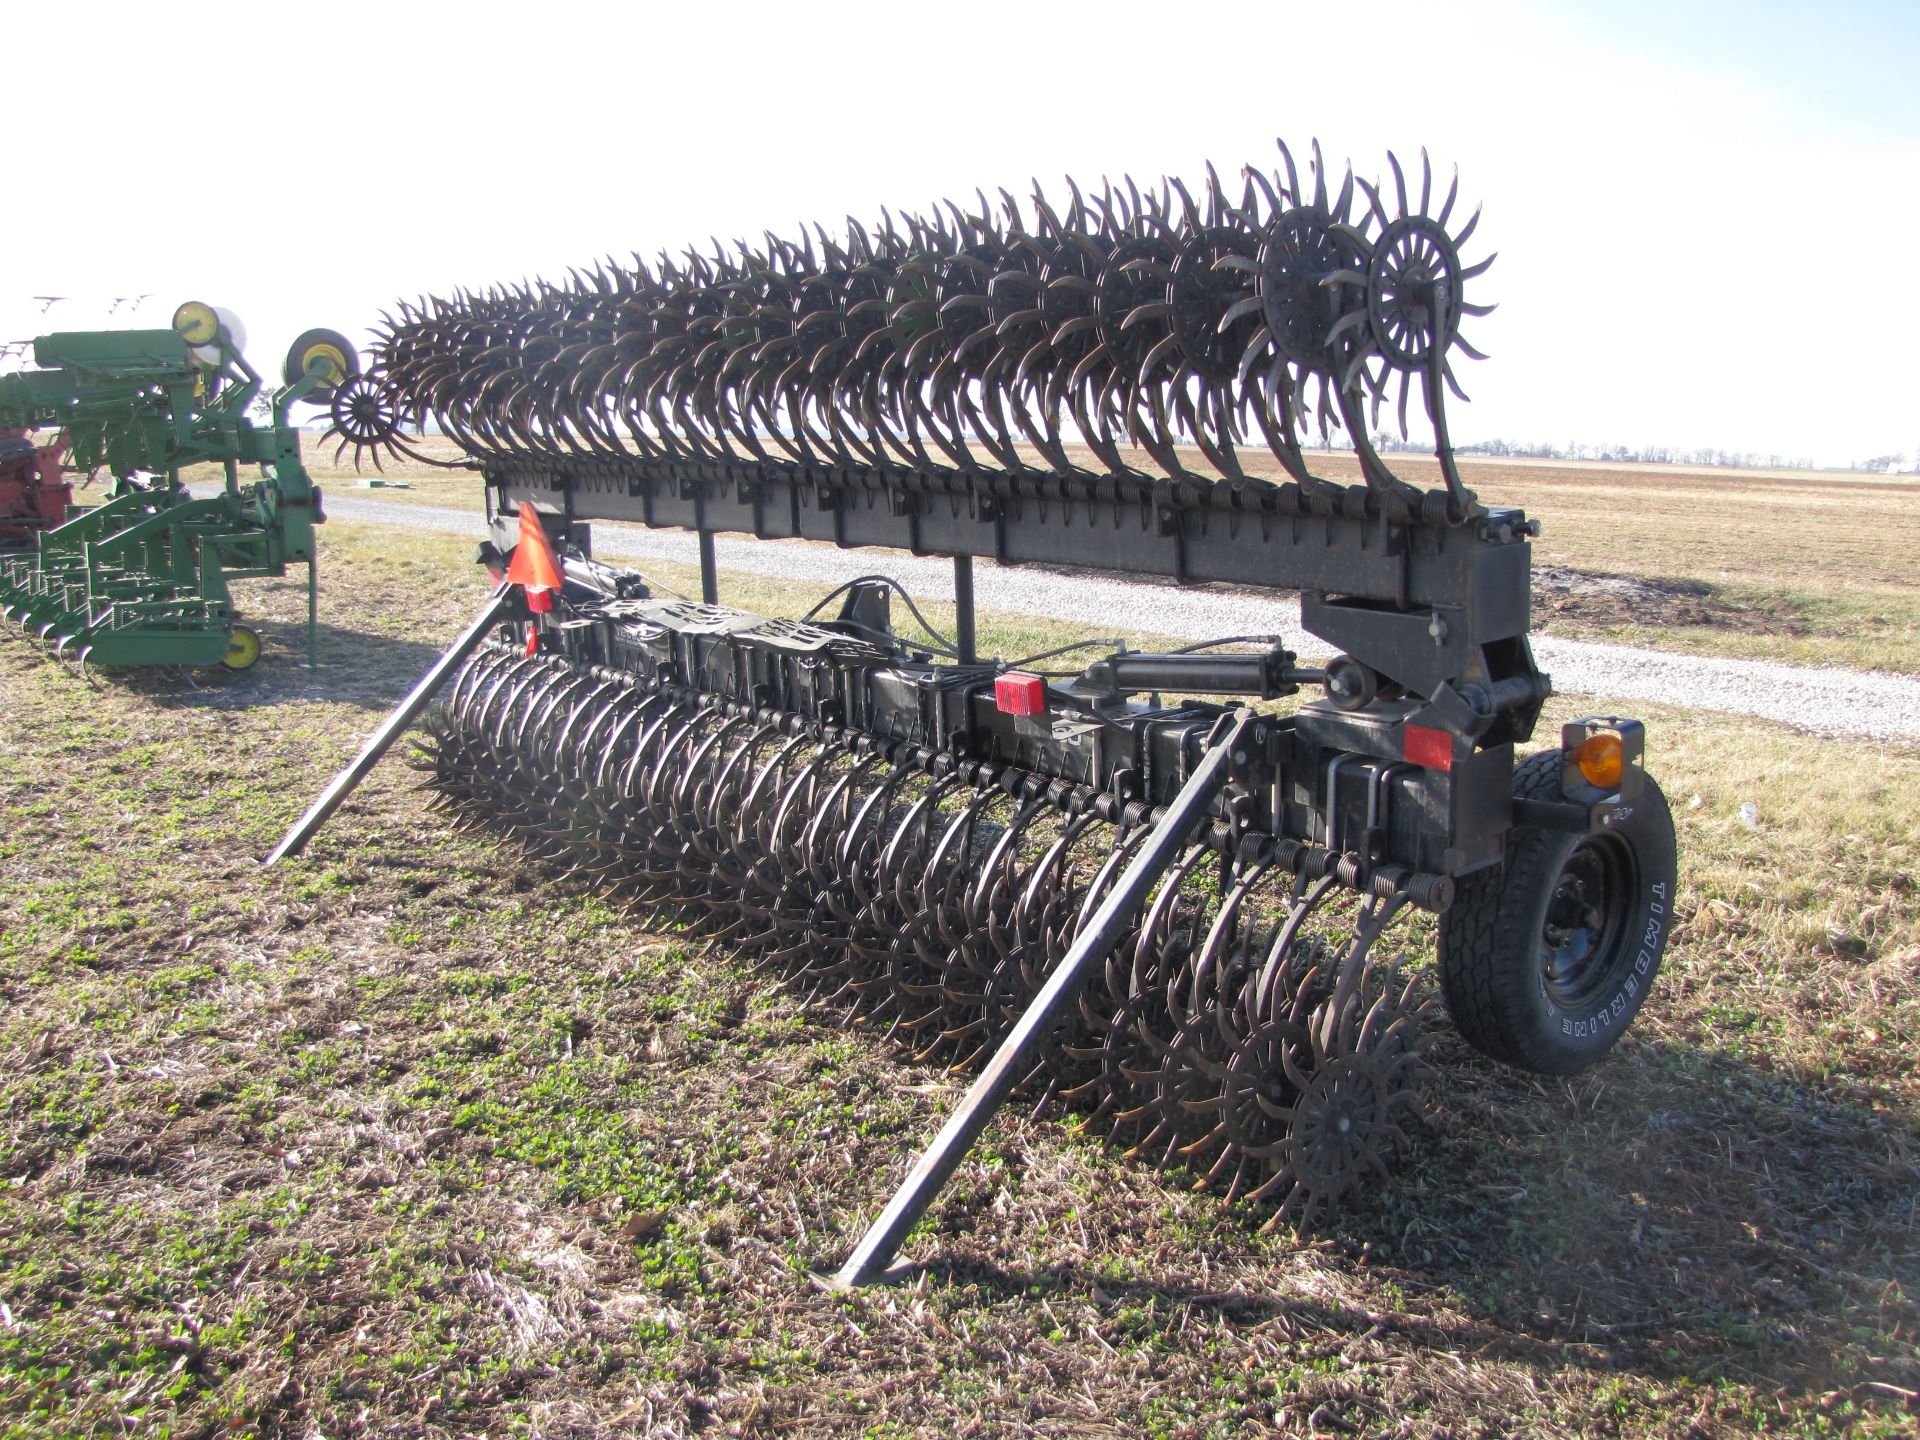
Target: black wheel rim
x: 1586, y: 937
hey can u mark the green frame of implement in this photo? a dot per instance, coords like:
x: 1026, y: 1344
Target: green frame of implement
x: 143, y: 579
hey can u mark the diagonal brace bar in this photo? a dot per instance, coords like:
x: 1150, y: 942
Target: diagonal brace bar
x: 402, y: 715
x: 877, y: 1248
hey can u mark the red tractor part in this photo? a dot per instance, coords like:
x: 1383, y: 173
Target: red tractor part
x: 34, y: 490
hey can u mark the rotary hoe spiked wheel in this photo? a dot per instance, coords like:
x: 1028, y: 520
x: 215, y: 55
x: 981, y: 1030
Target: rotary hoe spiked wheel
x: 1143, y: 326
x: 1245, y: 1036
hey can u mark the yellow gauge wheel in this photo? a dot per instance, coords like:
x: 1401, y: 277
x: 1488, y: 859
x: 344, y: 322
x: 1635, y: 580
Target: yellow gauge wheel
x: 329, y: 356
x: 243, y: 648
x: 328, y: 351
x: 196, y: 323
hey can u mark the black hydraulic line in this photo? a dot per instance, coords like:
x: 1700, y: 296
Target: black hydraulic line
x: 1113, y: 643
x: 877, y: 1248
x: 934, y: 641
x: 403, y: 715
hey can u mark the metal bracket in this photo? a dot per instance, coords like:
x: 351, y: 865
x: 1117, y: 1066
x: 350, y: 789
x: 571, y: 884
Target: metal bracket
x: 403, y: 715
x: 875, y: 1253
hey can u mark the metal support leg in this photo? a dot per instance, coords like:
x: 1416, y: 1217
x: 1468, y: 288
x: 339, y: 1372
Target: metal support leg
x: 382, y: 739
x: 313, y: 612
x: 709, y: 570
x: 877, y: 1248
x: 963, y: 635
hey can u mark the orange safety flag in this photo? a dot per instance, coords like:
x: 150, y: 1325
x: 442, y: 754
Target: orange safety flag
x: 535, y: 568
x: 534, y: 565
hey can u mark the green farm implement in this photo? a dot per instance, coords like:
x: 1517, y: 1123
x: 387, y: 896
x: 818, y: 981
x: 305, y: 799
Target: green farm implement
x: 143, y: 578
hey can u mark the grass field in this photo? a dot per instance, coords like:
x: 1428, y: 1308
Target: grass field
x: 404, y: 1138
x: 1809, y: 567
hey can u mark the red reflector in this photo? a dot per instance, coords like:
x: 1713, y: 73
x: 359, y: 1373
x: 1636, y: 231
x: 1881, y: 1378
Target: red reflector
x: 1431, y: 748
x: 1018, y: 694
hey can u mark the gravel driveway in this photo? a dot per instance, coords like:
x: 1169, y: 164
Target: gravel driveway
x: 1823, y: 701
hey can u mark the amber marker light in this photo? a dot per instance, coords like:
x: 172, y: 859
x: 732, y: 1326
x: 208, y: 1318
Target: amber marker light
x: 1601, y: 759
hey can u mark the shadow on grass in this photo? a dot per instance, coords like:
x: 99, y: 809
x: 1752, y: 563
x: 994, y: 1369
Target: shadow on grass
x: 1680, y: 1211
x: 1707, y: 1212
x: 370, y: 671
x: 1299, y: 1314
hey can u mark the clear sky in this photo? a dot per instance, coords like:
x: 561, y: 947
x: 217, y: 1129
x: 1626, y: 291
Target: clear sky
x: 1690, y: 200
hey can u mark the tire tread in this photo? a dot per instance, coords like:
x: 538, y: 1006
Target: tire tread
x: 1472, y: 976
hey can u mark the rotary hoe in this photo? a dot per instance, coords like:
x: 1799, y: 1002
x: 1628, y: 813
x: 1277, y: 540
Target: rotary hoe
x: 1129, y: 888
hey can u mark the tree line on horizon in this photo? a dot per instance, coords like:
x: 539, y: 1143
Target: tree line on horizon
x: 1642, y: 454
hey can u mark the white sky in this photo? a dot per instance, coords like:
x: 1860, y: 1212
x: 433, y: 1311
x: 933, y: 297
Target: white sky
x: 1689, y: 201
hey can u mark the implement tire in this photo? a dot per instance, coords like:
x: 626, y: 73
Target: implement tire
x: 1546, y: 958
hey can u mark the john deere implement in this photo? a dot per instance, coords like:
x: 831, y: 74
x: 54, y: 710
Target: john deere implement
x: 1165, y: 914
x: 142, y: 579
